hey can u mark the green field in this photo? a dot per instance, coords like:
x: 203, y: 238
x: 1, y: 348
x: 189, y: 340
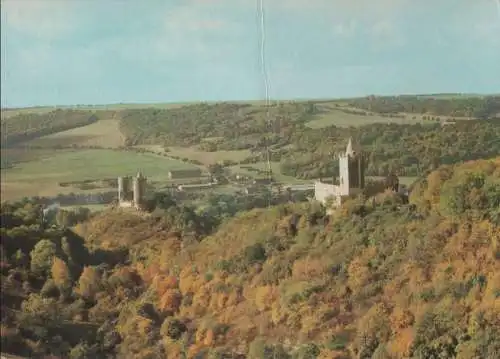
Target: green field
x: 104, y: 133
x: 208, y: 158
x: 41, y: 177
x: 332, y: 116
x: 193, y: 154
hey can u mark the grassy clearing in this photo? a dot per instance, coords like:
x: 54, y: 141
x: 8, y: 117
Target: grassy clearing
x: 104, y: 133
x: 331, y: 117
x: 24, y: 153
x: 74, y: 165
x: 208, y: 158
x: 41, y: 177
x: 91, y: 207
x: 12, y: 190
x: 192, y: 153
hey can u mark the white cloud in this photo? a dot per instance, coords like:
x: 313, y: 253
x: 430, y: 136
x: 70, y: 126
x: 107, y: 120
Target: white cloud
x: 42, y: 19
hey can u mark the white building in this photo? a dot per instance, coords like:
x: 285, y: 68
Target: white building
x: 351, y: 177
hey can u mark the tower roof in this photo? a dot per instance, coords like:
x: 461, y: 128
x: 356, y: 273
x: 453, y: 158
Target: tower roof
x: 352, y: 147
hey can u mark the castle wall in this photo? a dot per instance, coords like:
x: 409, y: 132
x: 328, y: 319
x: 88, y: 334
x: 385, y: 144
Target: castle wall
x: 323, y: 191
x: 126, y: 204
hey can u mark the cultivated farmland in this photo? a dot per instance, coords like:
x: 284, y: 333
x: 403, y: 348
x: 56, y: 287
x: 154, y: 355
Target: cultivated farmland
x: 41, y: 177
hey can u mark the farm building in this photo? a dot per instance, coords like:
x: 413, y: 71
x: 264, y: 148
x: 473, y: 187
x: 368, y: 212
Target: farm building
x: 262, y: 181
x: 180, y: 174
x: 197, y: 186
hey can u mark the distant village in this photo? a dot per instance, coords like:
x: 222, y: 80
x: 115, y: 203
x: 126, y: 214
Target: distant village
x: 132, y: 191
x: 351, y: 182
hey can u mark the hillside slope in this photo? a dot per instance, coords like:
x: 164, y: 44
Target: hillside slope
x: 25, y: 127
x: 378, y: 279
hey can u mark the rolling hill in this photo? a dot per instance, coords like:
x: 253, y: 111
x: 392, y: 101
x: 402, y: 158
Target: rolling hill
x: 376, y: 279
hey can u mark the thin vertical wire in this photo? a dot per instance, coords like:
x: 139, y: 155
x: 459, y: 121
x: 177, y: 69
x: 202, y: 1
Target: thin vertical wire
x: 266, y: 90
x: 263, y: 50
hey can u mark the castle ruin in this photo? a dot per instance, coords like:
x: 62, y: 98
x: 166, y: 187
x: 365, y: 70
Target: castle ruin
x: 132, y: 197
x: 351, y: 177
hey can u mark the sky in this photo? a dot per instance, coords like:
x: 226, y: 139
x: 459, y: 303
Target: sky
x: 69, y: 52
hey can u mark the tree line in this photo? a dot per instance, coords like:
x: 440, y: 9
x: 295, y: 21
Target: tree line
x: 475, y: 107
x: 28, y: 126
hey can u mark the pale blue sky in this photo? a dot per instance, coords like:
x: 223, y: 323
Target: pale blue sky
x: 57, y: 52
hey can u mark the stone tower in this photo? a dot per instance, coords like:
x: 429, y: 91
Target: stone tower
x: 139, y: 190
x: 351, y: 170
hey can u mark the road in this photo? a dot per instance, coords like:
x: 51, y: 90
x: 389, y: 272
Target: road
x: 299, y: 187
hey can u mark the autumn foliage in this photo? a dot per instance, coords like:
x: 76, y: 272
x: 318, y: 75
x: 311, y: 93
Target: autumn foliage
x: 417, y: 280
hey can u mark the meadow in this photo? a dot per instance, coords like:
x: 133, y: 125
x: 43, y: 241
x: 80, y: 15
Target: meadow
x: 208, y: 158
x: 104, y: 133
x: 41, y: 177
x: 336, y: 116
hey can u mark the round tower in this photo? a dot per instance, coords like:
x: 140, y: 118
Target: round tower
x: 120, y: 189
x: 123, y: 189
x: 139, y: 189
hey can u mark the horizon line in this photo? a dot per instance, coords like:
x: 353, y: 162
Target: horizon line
x: 300, y: 99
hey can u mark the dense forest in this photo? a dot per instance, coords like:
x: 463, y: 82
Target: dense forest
x: 231, y: 126
x: 475, y: 107
x: 27, y: 126
x: 376, y: 279
x: 409, y: 150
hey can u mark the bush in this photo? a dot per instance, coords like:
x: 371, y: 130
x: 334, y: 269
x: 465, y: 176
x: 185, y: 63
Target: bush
x: 308, y: 351
x: 255, y: 253
x: 173, y: 328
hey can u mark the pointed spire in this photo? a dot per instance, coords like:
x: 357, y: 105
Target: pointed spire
x: 349, y: 149
x: 352, y: 148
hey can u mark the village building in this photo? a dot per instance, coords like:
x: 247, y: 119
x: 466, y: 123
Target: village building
x: 182, y: 174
